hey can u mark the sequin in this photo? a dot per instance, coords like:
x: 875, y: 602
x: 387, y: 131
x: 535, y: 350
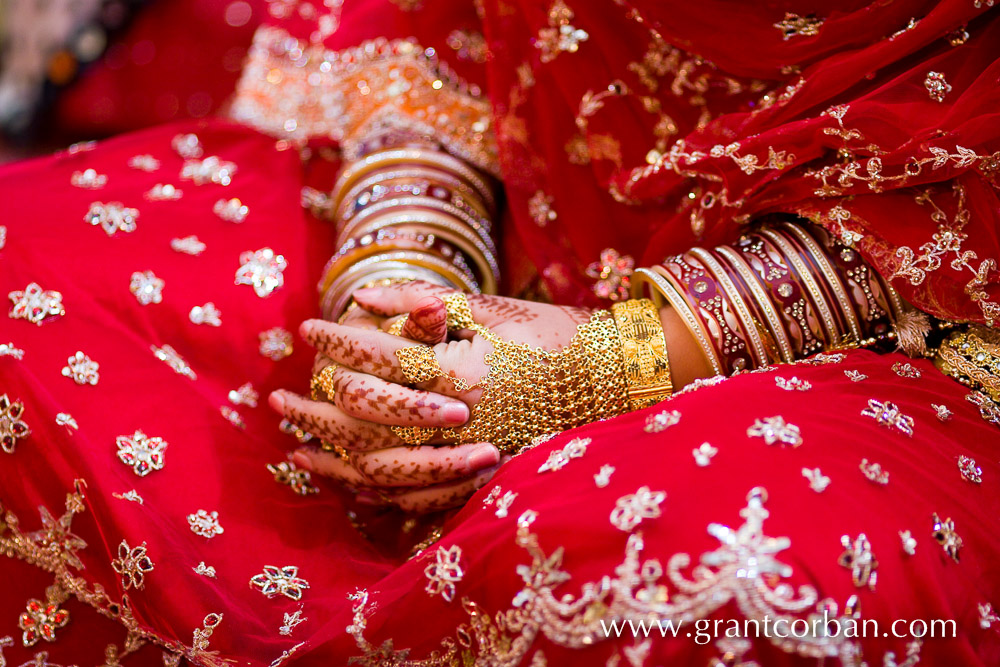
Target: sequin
x: 233, y: 417
x: 112, y: 217
x: 275, y: 581
x: 936, y: 85
x: 540, y: 209
x: 860, y: 560
x: 141, y: 453
x: 630, y: 510
x: 146, y: 287
x: 503, y: 504
x: 987, y: 617
x: 133, y: 564
x: 969, y: 470
x: 35, y: 304
x: 874, y: 472
x: 445, y: 572
x: 560, y: 35
x: 942, y: 412
x: 40, y: 621
x: 908, y: 542
x: 704, y: 453
x: 67, y: 420
x: 244, y: 395
x: 207, y: 314
x: 906, y: 370
x: 275, y: 344
x: 204, y: 570
x: 168, y: 355
x: 661, y: 421
x: 11, y: 350
x: 188, y: 146
x: 776, y: 430
x: 131, y: 495
x: 261, y: 269
x: 88, y: 179
x: 189, y: 245
x: 163, y: 192
x: 205, y: 524
x: 945, y: 535
x: 817, y: 480
x: 855, y: 376
x: 144, y: 162
x: 603, y: 476
x: 612, y: 274
x: 12, y: 427
x: 209, y: 170
x: 792, y: 384
x: 82, y: 369
x: 231, y: 210
x: 888, y: 414
x: 558, y: 458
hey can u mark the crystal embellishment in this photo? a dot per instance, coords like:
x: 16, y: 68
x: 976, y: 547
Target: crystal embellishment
x: 35, y: 304
x: 937, y: 86
x: 205, y: 524
x: 189, y: 245
x: 163, y: 192
x: 888, y: 414
x: 558, y: 458
x: 144, y: 162
x: 275, y: 344
x: 630, y: 510
x: 445, y: 572
x: 209, y: 170
x: 170, y: 357
x: 133, y: 564
x: 969, y: 470
x: 207, y: 314
x: 817, y: 480
x: 661, y: 421
x: 776, y: 430
x: 12, y: 427
x: 146, y: 287
x: 704, y: 453
x: 874, y: 472
x: 945, y: 535
x: 860, y: 560
x: 280, y: 581
x: 261, y: 269
x: 82, y: 369
x: 40, y: 621
x: 141, y: 453
x: 112, y: 217
x: 88, y: 179
x: 231, y: 210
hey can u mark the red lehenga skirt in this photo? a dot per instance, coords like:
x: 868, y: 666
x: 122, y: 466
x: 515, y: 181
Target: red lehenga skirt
x: 151, y: 515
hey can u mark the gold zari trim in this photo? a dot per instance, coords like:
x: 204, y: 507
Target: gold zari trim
x: 973, y: 358
x: 295, y: 91
x: 644, y: 349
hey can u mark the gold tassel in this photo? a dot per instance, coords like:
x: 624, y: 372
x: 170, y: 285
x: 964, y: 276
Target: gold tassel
x: 911, y: 331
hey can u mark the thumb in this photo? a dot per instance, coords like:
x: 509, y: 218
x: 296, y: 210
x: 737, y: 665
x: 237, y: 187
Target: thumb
x: 428, y: 321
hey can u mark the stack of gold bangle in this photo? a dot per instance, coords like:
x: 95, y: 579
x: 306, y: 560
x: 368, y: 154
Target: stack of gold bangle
x: 410, y: 212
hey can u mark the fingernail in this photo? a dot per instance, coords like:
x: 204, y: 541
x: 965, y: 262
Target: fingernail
x: 277, y: 401
x: 306, y: 329
x: 368, y: 498
x: 366, y: 292
x: 482, y: 457
x: 455, y: 413
x: 302, y: 461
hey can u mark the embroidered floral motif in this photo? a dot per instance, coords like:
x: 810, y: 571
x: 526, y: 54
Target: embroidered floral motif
x: 189, y: 245
x: 168, y: 355
x: 57, y: 538
x: 146, y: 287
x: 233, y: 417
x: 504, y: 503
x: 469, y: 45
x: 888, y: 414
x: 67, y: 420
x: 209, y: 170
x: 205, y: 524
x: 112, y: 217
x: 163, y: 192
x: 631, y: 509
x: 207, y: 314
x: 945, y: 535
x: 942, y: 412
x: 245, y: 395
x: 261, y: 269
x: 141, y: 453
x: 11, y: 350
x: 445, y: 572
x: 560, y: 35
x: 558, y: 458
x: 792, y: 384
x: 291, y: 620
x: 144, y: 162
x: 855, y: 376
x: 613, y: 275
x: 131, y: 496
x: 817, y: 480
x: 969, y: 470
x: 133, y: 564
x: 204, y: 570
x: 908, y: 542
x: 88, y: 179
x: 987, y: 617
x: 874, y: 472
x: 704, y: 453
x: 540, y: 209
x: 40, y: 621
x: 603, y: 477
x: 794, y: 25
x: 35, y: 304
x: 936, y: 85
x: 860, y: 560
x: 661, y: 421
x: 12, y: 428
x: 280, y: 581
x: 287, y: 473
x: 231, y: 210
x: 188, y: 146
x: 988, y: 410
x: 776, y: 430
x: 275, y: 344
x: 906, y: 370
x: 82, y: 369
x: 3, y: 236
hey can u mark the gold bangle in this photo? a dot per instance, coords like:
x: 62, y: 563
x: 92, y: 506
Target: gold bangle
x: 762, y: 300
x: 644, y: 350
x: 734, y: 298
x: 430, y: 176
x: 836, y: 285
x: 422, y: 204
x: 336, y: 299
x: 664, y: 286
x: 829, y: 324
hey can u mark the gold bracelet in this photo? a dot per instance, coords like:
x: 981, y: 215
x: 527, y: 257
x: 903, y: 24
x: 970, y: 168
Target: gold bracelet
x: 665, y: 287
x: 644, y: 350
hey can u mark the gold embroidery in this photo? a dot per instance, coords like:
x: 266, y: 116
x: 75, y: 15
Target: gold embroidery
x: 560, y: 35
x: 794, y: 25
x: 294, y: 91
x: 469, y: 45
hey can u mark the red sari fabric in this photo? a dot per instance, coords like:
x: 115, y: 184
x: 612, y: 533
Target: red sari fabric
x: 703, y: 508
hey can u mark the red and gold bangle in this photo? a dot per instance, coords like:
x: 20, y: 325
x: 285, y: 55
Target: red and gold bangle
x: 418, y: 203
x: 355, y: 198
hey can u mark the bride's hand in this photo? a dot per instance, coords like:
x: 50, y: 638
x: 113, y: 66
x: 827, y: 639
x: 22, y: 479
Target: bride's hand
x: 380, y: 467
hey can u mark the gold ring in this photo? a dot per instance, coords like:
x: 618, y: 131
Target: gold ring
x: 341, y: 453
x: 396, y: 329
x: 323, y: 382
